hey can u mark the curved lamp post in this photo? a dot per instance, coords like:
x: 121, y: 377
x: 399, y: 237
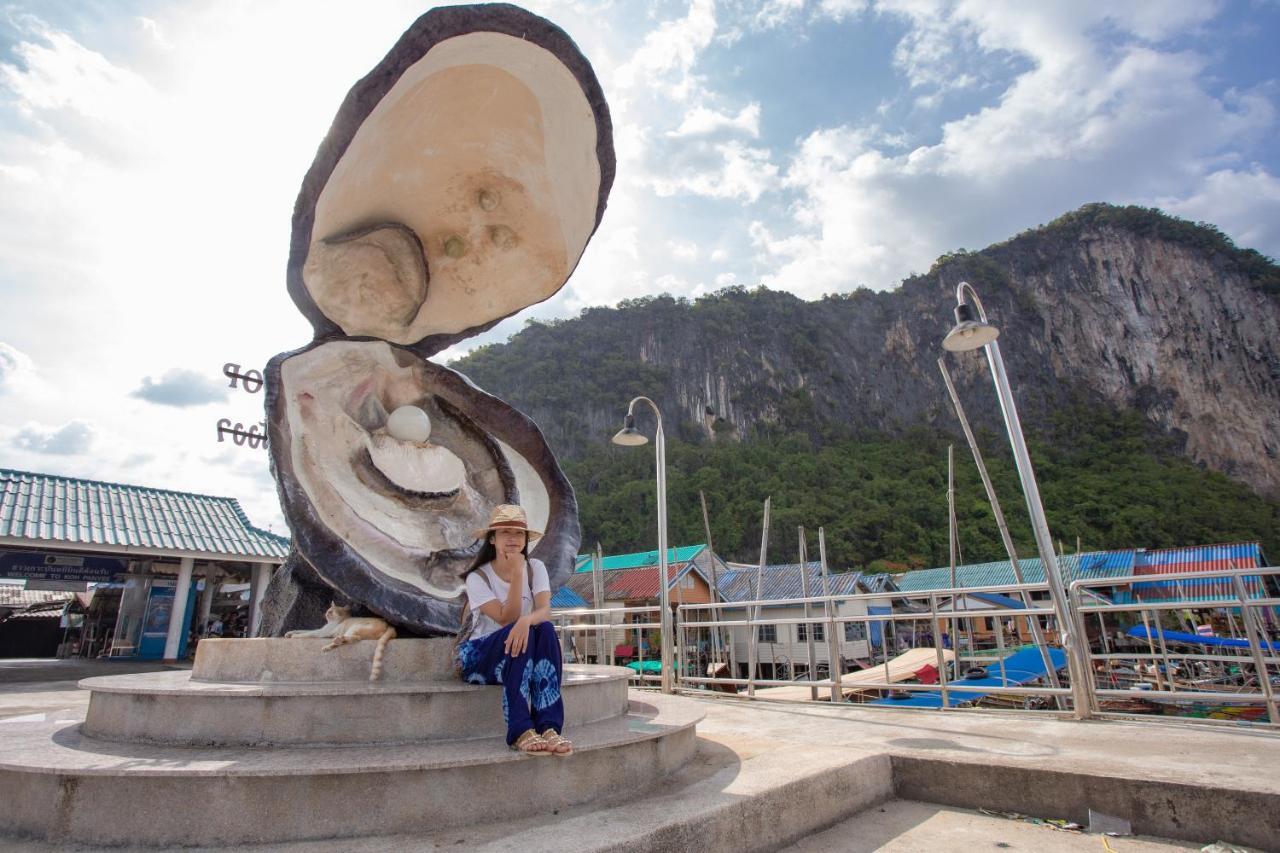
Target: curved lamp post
x: 629, y: 436
x: 973, y: 331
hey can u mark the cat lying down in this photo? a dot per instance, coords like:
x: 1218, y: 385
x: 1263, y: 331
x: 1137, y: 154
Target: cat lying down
x: 344, y: 628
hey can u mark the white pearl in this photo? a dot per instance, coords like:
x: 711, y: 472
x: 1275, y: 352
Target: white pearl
x: 409, y: 423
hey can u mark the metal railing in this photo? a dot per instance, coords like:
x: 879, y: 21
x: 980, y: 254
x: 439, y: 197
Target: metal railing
x: 1189, y: 675
x: 919, y: 607
x: 587, y: 634
x: 1152, y: 672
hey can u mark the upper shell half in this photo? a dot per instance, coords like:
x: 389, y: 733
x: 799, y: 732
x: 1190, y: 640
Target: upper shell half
x: 459, y: 184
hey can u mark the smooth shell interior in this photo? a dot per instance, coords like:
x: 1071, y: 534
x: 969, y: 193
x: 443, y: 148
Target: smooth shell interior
x: 486, y: 150
x: 336, y: 399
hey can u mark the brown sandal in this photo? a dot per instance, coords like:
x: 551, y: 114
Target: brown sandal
x: 556, y: 741
x: 528, y: 743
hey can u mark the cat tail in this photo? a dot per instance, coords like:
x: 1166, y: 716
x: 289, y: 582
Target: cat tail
x: 387, y: 636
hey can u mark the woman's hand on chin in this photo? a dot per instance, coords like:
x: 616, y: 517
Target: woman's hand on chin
x: 518, y: 638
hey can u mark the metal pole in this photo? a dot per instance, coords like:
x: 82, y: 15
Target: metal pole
x: 1032, y: 622
x: 937, y: 647
x: 951, y: 548
x: 808, y: 613
x: 753, y: 652
x: 1040, y: 526
x: 1255, y: 648
x: 597, y: 587
x: 664, y: 598
x: 836, y: 663
x: 715, y: 581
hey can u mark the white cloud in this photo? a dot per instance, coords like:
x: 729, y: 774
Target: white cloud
x: 16, y: 367
x: 666, y: 58
x: 181, y: 389
x: 1245, y: 204
x: 1084, y: 122
x: 735, y: 171
x: 683, y: 250
x: 71, y: 439
x: 701, y: 121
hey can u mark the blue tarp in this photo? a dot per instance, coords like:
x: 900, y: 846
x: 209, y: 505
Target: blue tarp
x: 1140, y: 632
x: 1020, y: 668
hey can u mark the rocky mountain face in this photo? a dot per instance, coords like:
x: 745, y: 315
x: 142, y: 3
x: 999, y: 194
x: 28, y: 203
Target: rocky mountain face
x: 1120, y: 306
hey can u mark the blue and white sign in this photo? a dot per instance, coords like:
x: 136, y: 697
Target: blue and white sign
x: 60, y: 567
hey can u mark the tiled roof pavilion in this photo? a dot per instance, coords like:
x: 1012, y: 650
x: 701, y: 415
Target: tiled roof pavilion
x: 43, y: 510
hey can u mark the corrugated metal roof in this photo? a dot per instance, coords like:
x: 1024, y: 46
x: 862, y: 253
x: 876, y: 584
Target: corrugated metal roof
x: 682, y: 554
x: 1199, y: 558
x: 627, y: 584
x: 88, y: 512
x: 1092, y: 564
x: 783, y: 581
x: 12, y: 595
x: 567, y: 598
x: 882, y: 582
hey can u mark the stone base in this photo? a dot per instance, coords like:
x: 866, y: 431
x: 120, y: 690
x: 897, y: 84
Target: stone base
x: 175, y: 708
x: 271, y: 659
x: 59, y: 785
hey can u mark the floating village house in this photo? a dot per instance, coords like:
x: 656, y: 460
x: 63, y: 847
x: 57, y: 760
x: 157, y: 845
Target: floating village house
x: 149, y: 562
x: 782, y: 650
x: 631, y: 580
x: 1092, y: 565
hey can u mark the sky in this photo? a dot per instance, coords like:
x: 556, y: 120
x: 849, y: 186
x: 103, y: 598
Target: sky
x: 151, y: 152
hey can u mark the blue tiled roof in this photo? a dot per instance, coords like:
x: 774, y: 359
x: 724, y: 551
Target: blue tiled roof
x: 1094, y: 564
x: 566, y: 598
x: 783, y: 581
x: 69, y: 511
x: 998, y: 600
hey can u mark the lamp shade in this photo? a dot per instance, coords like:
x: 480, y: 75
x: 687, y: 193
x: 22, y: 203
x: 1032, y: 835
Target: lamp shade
x: 629, y: 436
x: 970, y: 332
x: 969, y: 335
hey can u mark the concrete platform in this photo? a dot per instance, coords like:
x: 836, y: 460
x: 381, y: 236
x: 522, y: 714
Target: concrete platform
x: 903, y: 826
x: 174, y: 708
x: 272, y: 659
x: 766, y: 776
x: 59, y: 785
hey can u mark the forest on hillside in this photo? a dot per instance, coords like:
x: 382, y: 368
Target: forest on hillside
x: 1106, y: 478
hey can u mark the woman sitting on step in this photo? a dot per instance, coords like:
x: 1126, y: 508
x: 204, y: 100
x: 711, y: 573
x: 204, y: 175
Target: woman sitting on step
x: 506, y: 637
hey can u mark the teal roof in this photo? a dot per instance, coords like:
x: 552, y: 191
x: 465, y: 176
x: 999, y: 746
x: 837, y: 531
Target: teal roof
x: 1092, y: 565
x: 70, y: 511
x: 682, y: 554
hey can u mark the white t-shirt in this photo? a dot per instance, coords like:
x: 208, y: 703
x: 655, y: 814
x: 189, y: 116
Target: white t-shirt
x: 484, y: 585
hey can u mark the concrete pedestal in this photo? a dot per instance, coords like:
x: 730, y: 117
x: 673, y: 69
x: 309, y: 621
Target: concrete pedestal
x: 295, y: 744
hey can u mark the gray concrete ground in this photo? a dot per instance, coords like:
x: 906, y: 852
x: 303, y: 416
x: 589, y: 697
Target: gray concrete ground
x: 42, y: 685
x: 747, y: 749
x: 903, y: 826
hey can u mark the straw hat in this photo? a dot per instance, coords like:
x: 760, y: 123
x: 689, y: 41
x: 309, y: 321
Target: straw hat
x: 509, y: 517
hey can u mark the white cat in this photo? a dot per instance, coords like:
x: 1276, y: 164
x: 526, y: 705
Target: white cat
x: 343, y: 628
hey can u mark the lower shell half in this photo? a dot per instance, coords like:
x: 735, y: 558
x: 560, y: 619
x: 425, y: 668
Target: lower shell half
x: 392, y: 522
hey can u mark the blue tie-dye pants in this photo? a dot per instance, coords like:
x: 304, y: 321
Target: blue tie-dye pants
x: 530, y: 681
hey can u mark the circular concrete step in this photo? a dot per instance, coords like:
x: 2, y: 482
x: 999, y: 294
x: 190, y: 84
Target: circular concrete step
x: 59, y: 785
x: 175, y: 708
x: 273, y: 659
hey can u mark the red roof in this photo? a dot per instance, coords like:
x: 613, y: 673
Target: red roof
x: 625, y: 584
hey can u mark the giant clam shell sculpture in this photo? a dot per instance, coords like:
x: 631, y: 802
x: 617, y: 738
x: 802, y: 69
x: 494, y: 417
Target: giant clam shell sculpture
x: 459, y: 184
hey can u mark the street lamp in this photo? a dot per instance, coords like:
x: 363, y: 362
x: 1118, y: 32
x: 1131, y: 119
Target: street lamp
x: 972, y: 331
x: 629, y: 436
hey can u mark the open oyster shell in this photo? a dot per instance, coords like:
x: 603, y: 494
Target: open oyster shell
x: 391, y: 523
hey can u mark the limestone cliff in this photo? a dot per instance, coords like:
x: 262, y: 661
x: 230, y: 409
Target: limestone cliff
x: 1120, y: 305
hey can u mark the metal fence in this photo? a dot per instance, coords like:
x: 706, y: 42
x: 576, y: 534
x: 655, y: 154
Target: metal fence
x: 587, y: 635
x: 954, y: 648
x: 1169, y: 660
x: 901, y: 622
